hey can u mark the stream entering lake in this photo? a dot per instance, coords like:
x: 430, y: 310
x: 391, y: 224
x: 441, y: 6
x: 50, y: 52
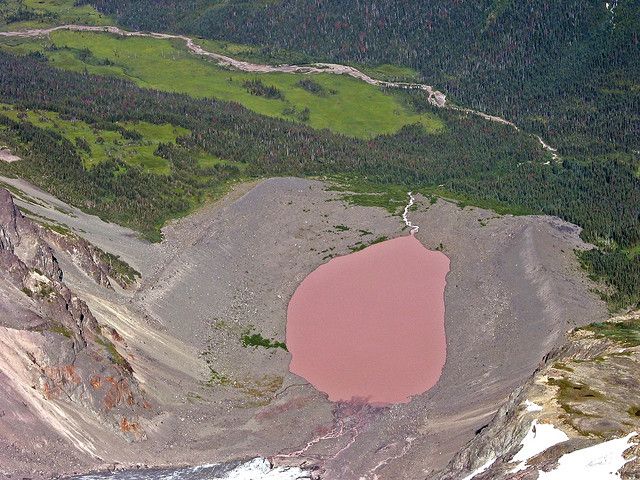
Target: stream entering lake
x: 369, y: 326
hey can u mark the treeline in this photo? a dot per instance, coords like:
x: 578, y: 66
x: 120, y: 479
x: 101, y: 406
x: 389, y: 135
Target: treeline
x: 566, y: 70
x: 473, y: 157
x: 620, y: 271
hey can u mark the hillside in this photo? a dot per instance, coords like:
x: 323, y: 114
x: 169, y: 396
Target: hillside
x: 565, y: 70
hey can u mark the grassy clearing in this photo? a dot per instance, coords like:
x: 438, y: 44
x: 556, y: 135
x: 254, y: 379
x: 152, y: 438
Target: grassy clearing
x: 634, y: 251
x: 393, y: 198
x: 270, y: 55
x: 353, y: 108
x: 255, y: 53
x: 464, y: 201
x: 390, y: 73
x: 570, y: 391
x: 133, y: 143
x: 358, y: 191
x: 22, y: 14
x: 97, y: 145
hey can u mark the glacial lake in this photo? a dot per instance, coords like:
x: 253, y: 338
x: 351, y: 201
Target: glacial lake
x: 369, y: 326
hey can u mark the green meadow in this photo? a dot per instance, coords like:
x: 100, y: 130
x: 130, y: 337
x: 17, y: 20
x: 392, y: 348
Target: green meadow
x: 343, y: 104
x: 97, y: 145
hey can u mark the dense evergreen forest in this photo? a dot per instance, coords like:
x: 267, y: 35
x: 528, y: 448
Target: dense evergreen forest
x: 480, y: 160
x: 568, y: 70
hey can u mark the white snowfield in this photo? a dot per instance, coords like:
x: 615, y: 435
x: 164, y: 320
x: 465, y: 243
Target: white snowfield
x: 532, y: 406
x: 480, y: 469
x: 539, y: 437
x: 256, y: 469
x: 261, y: 469
x: 599, y: 462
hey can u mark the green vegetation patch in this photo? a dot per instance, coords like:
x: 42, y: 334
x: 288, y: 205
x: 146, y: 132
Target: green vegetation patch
x: 217, y: 378
x: 124, y: 273
x: 570, y: 393
x: 54, y: 227
x: 391, y: 73
x: 132, y: 172
x: 259, y: 89
x: 114, y: 354
x: 252, y: 339
x: 61, y: 330
x: 357, y: 191
x: 314, y: 87
x: 134, y: 143
x: 562, y: 366
x: 626, y: 333
x: 362, y: 245
x: 266, y: 54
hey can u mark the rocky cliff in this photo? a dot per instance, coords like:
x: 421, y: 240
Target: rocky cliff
x: 580, y: 410
x: 52, y: 349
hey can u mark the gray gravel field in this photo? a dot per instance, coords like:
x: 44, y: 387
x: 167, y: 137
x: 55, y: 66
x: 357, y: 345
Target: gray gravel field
x: 515, y: 288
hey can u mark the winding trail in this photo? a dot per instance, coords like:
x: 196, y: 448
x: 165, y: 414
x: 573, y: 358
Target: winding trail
x: 435, y: 97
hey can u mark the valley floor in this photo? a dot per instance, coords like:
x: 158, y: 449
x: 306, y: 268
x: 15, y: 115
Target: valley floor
x: 514, y: 290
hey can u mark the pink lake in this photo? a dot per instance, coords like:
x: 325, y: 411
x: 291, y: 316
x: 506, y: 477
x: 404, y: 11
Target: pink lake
x: 370, y: 326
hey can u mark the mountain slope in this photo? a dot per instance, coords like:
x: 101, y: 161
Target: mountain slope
x: 57, y: 363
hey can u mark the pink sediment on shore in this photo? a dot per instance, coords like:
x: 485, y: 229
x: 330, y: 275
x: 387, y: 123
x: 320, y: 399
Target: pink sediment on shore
x: 370, y: 326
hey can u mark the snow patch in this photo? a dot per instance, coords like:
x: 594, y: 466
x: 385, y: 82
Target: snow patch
x: 539, y: 437
x: 39, y: 278
x: 480, y: 469
x: 7, y: 156
x: 261, y: 469
x: 531, y: 406
x: 599, y: 462
x: 255, y: 469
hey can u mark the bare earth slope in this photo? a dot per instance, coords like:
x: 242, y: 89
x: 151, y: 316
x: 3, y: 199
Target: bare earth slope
x: 227, y: 271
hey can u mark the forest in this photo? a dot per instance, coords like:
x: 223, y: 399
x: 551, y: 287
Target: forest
x: 480, y: 160
x: 568, y: 71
